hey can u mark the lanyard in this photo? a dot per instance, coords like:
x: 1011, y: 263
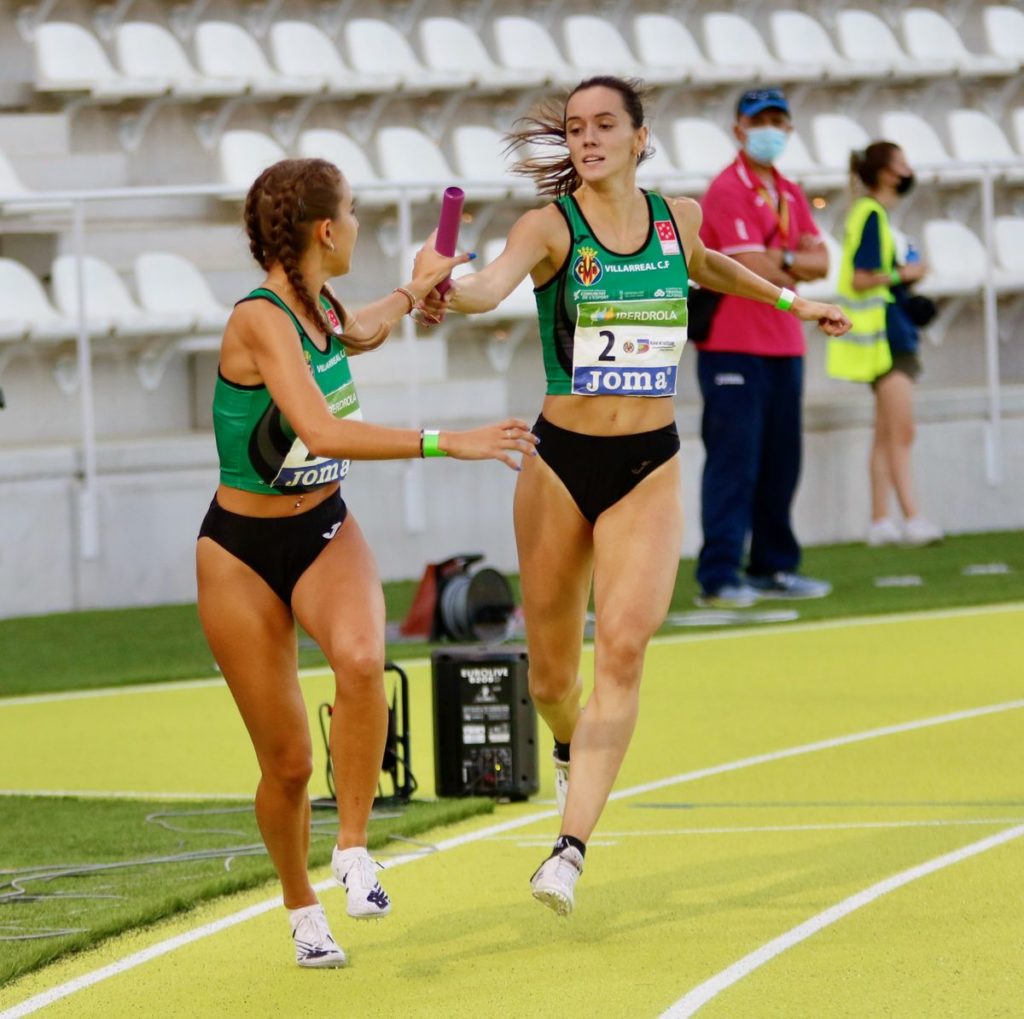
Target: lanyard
x: 780, y: 209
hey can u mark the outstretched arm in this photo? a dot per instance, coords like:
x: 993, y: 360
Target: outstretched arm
x: 528, y: 246
x: 715, y: 271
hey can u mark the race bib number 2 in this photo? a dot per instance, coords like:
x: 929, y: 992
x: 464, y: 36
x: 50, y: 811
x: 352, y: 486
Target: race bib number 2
x: 628, y: 348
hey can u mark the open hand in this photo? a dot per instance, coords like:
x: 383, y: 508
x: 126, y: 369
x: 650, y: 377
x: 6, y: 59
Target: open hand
x: 500, y: 441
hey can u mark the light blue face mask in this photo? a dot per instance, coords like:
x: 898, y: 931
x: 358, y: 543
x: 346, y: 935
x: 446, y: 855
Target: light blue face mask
x: 765, y: 144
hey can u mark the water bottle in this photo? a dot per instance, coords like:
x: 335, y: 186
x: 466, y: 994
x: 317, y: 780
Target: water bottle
x: 913, y: 255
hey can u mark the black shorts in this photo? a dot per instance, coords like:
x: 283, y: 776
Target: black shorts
x: 279, y: 549
x: 908, y: 364
x: 599, y: 470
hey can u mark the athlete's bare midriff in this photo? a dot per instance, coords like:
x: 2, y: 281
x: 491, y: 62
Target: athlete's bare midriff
x: 609, y: 415
x: 255, y: 504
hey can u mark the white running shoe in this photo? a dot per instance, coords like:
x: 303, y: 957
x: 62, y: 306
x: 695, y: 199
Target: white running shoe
x: 314, y: 945
x: 356, y: 872
x: 555, y: 879
x: 561, y: 782
x: 884, y: 532
x: 917, y: 532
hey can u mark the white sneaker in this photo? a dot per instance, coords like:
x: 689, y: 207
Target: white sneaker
x: 884, y: 532
x: 314, y: 945
x: 555, y: 879
x: 561, y: 782
x: 918, y: 531
x: 356, y: 872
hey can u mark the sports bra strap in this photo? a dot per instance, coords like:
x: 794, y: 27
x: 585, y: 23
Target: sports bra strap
x: 263, y: 294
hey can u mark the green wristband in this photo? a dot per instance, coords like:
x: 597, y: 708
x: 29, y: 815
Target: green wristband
x: 430, y: 443
x: 786, y: 299
x: 894, y: 277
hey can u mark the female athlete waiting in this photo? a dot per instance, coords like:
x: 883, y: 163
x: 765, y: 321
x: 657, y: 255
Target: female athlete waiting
x: 278, y: 543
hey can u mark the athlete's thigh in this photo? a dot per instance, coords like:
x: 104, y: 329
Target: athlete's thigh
x: 555, y: 548
x: 339, y: 599
x: 636, y: 554
x: 252, y: 635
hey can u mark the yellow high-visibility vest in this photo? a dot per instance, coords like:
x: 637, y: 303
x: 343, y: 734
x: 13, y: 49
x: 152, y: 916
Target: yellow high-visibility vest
x: 863, y: 354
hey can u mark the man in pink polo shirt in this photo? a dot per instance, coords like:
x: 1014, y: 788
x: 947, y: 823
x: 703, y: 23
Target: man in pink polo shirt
x: 750, y: 369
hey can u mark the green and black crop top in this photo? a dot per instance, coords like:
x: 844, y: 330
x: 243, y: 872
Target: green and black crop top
x: 615, y: 324
x: 257, y: 447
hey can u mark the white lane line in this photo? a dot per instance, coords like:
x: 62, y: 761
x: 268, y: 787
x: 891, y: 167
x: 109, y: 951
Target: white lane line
x: 162, y: 948
x: 769, y: 829
x: 811, y: 748
x: 671, y: 638
x: 703, y: 993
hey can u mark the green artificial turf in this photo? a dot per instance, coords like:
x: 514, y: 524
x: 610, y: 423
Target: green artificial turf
x: 83, y: 650
x: 129, y: 863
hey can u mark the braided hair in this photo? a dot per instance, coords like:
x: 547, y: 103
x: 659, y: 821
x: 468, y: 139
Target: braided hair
x: 545, y: 125
x: 280, y: 209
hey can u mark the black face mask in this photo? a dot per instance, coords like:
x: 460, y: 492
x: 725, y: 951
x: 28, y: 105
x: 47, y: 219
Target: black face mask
x: 905, y: 184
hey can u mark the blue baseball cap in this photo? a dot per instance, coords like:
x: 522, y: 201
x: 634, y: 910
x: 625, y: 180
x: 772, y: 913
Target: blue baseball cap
x: 753, y: 101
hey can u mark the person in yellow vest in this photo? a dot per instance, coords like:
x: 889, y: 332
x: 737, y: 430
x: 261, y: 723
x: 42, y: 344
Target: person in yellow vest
x: 882, y: 346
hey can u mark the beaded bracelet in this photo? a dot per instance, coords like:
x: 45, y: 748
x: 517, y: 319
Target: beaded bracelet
x: 408, y: 295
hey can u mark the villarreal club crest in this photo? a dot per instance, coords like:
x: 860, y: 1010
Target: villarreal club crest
x: 587, y: 268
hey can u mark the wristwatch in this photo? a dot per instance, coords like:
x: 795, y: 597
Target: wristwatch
x: 788, y: 258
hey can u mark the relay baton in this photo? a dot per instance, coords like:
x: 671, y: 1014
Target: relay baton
x: 448, y: 228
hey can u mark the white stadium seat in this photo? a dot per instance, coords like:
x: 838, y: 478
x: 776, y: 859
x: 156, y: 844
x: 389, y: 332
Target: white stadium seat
x: 659, y: 172
x: 960, y: 264
x: 595, y: 46
x: 702, y: 147
x: 1004, y: 31
x: 371, y: 44
x: 242, y: 156
x: 797, y: 162
x: 665, y: 43
x: 836, y: 136
x: 338, y: 148
x: 26, y: 312
x: 928, y: 35
x: 955, y: 259
x: 226, y: 50
x: 520, y: 304
x: 800, y: 40
x: 524, y: 44
x: 28, y: 202
x: 1009, y: 244
x: 864, y: 36
x: 448, y: 44
x: 1018, y: 128
x: 146, y: 50
x: 406, y: 155
x: 107, y: 299
x: 732, y: 41
x: 976, y: 138
x: 169, y: 283
x: 301, y: 49
x: 478, y: 152
x: 923, y: 147
x: 69, y: 58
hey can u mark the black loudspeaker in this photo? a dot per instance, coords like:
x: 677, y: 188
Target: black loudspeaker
x: 485, y: 726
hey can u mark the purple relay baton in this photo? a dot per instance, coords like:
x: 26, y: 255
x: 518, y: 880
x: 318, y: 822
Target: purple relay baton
x: 448, y: 228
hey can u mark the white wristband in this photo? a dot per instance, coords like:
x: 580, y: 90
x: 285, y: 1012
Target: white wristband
x: 786, y: 299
